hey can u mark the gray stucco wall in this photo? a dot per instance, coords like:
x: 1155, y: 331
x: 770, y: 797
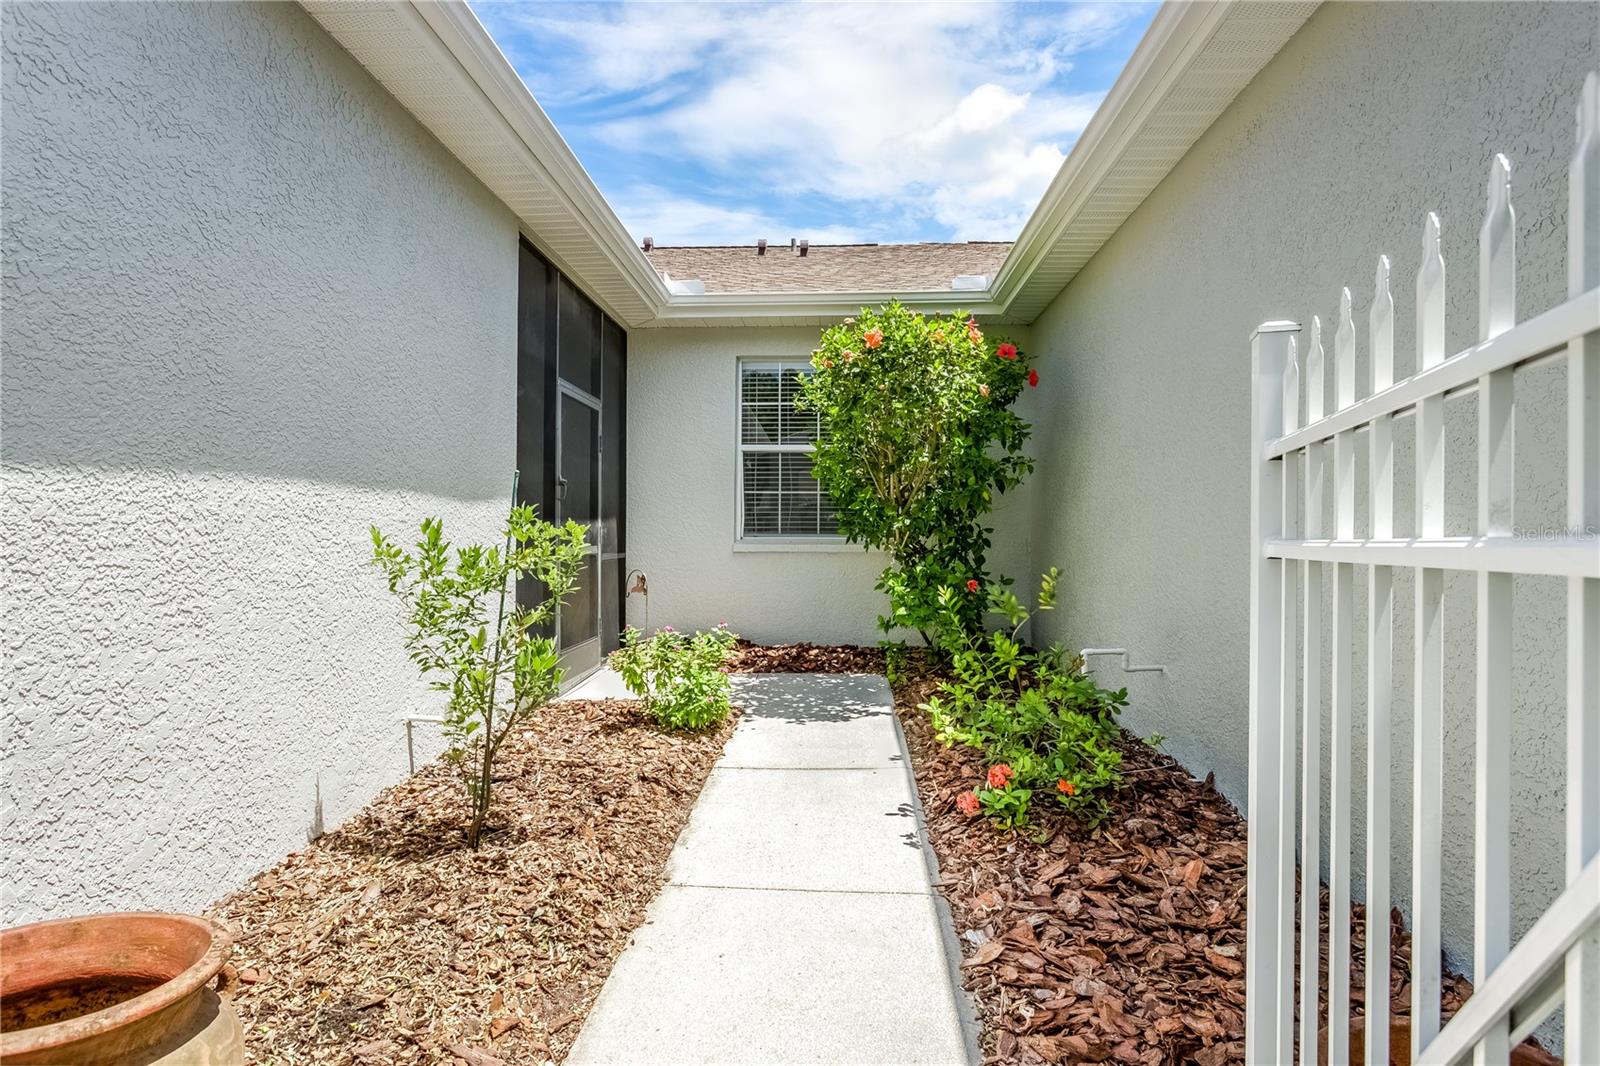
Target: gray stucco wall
x: 250, y: 306
x: 1371, y: 116
x: 682, y: 419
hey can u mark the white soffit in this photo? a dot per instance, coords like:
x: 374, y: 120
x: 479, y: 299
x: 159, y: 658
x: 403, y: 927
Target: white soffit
x: 1191, y: 64
x: 441, y: 65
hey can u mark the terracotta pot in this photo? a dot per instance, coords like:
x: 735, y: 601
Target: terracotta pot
x: 129, y: 989
x: 1400, y: 1046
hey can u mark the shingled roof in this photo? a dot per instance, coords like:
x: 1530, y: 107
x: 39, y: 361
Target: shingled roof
x: 925, y: 267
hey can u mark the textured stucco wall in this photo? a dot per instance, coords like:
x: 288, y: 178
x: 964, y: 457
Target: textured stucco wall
x: 250, y: 307
x: 682, y: 419
x: 1371, y: 116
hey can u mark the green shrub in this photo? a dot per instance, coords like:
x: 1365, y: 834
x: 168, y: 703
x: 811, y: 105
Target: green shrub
x: 677, y: 675
x: 1042, y: 725
x: 917, y: 434
x: 450, y: 633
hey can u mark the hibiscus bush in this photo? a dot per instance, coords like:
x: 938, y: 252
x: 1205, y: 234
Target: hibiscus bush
x: 917, y: 435
x: 1044, y: 727
x: 677, y: 675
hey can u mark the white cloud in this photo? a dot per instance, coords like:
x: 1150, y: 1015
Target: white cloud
x: 957, y: 113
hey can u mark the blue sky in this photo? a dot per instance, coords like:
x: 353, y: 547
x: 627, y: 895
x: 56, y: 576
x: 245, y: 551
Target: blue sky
x: 719, y: 123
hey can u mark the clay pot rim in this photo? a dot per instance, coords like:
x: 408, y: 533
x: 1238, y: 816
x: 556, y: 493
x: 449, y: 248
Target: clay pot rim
x: 159, y: 998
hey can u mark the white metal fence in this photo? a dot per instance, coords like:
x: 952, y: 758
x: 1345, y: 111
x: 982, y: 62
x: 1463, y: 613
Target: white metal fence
x: 1294, y: 459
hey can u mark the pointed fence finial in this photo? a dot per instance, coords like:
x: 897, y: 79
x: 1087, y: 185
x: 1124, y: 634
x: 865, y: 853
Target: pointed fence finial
x: 1291, y: 388
x: 1497, y: 255
x: 1316, y: 376
x: 1430, y: 297
x: 1344, y: 353
x: 1380, y: 328
x: 1583, y: 193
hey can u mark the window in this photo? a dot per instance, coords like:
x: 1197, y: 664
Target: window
x: 778, y: 496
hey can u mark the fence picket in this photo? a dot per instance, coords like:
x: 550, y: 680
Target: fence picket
x: 1264, y: 976
x: 1380, y: 678
x: 1559, y: 958
x: 1339, y: 842
x: 1428, y: 712
x: 1496, y: 486
x: 1311, y: 729
x: 1582, y: 971
x: 1289, y: 499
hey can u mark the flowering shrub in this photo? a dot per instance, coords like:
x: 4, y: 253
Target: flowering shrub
x: 917, y: 436
x: 677, y: 675
x: 1045, y: 728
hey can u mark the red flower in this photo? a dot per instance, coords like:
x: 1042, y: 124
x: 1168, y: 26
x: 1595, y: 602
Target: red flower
x: 999, y: 775
x: 972, y: 584
x: 1066, y: 786
x: 873, y: 337
x: 1006, y: 351
x: 968, y: 803
x: 1033, y: 379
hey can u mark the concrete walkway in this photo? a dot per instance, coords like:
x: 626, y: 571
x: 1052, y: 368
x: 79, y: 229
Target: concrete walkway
x: 799, y: 924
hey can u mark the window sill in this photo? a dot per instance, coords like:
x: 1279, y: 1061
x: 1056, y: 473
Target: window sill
x: 795, y: 544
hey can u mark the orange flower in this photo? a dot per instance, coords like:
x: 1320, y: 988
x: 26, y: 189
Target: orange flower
x: 968, y: 802
x: 984, y: 389
x: 1066, y: 786
x: 999, y: 775
x: 938, y: 336
x: 827, y: 364
x: 873, y: 337
x: 848, y: 355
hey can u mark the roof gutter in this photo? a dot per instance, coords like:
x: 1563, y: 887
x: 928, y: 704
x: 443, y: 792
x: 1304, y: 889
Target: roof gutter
x: 459, y: 30
x: 1178, y: 33
x: 711, y: 306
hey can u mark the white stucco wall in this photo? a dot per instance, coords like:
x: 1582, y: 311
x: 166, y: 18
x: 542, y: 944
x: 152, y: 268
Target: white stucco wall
x: 249, y: 307
x: 1371, y: 116
x: 682, y: 419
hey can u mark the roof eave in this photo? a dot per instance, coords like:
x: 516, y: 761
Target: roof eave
x: 739, y: 307
x: 1176, y: 38
x: 459, y: 28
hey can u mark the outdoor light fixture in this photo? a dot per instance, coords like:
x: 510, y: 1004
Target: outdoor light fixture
x: 642, y: 587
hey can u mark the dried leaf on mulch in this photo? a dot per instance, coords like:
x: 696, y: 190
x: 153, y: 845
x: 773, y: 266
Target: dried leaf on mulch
x: 388, y: 941
x: 748, y: 658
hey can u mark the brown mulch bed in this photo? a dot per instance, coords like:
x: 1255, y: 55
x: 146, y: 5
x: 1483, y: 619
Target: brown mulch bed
x: 1124, y: 943
x: 389, y: 941
x: 748, y: 658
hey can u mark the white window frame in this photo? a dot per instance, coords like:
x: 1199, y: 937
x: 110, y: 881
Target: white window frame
x: 769, y: 542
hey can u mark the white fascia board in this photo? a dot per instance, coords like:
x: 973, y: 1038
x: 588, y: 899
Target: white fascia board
x: 739, y: 307
x: 458, y: 28
x: 1176, y: 35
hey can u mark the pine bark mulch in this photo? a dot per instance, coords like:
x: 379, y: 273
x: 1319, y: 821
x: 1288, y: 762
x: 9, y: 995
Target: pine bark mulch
x: 1124, y: 943
x: 388, y: 941
x: 748, y: 658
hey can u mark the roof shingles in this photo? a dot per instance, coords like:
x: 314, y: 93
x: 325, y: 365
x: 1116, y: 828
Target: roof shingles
x: 925, y: 267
